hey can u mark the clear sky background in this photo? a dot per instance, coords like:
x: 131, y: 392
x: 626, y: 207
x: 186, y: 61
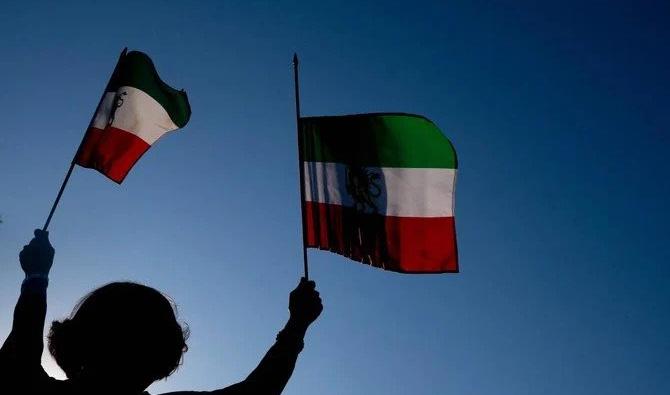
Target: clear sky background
x: 560, y: 116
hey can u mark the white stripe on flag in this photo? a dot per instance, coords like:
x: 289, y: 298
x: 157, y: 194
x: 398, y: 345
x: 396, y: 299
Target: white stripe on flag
x: 394, y: 191
x: 136, y: 113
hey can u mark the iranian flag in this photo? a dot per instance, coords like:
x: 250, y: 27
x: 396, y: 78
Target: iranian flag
x: 136, y: 109
x: 379, y: 189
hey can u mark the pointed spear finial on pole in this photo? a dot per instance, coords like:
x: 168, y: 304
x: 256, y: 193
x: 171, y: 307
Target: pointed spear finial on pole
x: 300, y: 164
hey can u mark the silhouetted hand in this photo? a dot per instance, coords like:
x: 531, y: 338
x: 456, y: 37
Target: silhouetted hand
x: 304, y: 303
x: 37, y: 257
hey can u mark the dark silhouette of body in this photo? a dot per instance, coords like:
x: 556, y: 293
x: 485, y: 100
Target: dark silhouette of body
x: 124, y: 336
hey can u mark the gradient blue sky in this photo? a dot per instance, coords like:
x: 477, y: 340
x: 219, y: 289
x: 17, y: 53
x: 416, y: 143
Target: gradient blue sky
x: 559, y: 113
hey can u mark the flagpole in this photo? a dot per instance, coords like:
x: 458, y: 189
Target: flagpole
x: 300, y: 165
x: 69, y: 171
x: 60, y: 193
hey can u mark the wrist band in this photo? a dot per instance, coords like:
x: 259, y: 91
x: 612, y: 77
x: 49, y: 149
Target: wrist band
x: 38, y: 275
x: 291, y: 340
x: 35, y: 283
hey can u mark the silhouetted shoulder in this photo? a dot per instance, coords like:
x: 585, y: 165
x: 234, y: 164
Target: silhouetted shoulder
x: 235, y: 389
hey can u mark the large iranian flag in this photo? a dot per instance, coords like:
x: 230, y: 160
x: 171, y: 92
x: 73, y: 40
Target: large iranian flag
x: 379, y: 189
x: 136, y: 109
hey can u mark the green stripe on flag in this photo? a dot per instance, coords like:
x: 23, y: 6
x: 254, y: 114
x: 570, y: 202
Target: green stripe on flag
x: 137, y: 70
x: 383, y: 140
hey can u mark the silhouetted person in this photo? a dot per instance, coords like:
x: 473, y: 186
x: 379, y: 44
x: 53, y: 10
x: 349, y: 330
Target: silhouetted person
x: 122, y: 337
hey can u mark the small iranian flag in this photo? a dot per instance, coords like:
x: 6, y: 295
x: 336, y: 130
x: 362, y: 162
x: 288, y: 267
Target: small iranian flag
x: 379, y: 189
x: 136, y: 109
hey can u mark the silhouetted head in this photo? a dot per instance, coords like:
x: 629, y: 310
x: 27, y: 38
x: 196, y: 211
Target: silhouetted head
x: 123, y: 334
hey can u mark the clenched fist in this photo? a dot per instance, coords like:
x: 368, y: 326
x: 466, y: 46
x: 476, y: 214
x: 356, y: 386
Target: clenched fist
x: 305, y: 303
x: 37, y: 257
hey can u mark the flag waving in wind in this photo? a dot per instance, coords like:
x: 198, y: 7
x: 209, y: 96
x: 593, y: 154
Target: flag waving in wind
x: 379, y: 189
x: 136, y: 109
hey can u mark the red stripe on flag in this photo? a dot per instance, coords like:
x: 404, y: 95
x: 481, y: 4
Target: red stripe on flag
x: 112, y: 151
x: 400, y: 244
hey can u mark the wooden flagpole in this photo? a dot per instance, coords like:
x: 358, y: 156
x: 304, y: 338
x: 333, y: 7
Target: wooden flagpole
x: 300, y: 164
x: 69, y: 171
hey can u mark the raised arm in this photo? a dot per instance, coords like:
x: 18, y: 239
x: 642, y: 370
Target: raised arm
x: 20, y: 356
x: 272, y: 374
x: 276, y: 367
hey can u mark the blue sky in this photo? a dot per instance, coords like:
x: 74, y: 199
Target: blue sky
x: 559, y: 113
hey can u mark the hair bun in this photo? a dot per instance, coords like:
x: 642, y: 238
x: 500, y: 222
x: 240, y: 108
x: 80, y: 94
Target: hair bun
x: 64, y: 347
